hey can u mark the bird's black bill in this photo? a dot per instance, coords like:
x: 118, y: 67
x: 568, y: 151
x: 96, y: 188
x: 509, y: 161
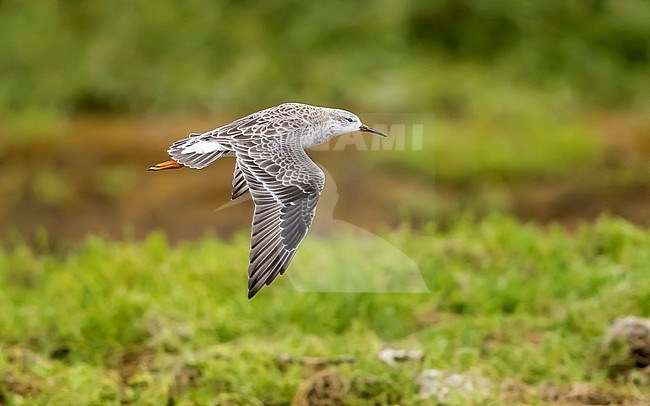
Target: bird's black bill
x: 364, y: 128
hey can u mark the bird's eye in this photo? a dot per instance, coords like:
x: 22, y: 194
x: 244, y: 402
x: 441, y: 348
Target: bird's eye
x: 350, y: 120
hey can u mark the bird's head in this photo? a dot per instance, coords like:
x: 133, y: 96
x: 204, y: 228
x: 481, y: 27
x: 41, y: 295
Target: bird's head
x: 342, y: 122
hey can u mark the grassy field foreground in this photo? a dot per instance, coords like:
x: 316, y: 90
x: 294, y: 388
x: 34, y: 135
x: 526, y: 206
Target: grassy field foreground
x: 148, y: 323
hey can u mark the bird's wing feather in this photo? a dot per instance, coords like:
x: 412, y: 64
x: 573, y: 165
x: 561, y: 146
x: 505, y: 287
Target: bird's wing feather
x: 239, y: 185
x: 285, y: 185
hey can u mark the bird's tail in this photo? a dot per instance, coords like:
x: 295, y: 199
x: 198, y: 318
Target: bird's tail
x: 197, y: 152
x: 194, y: 151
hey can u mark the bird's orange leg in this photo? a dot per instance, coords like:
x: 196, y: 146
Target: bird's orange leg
x: 171, y: 164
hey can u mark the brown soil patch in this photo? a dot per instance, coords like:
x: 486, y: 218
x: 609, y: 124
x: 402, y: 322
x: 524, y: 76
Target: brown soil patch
x: 326, y: 387
x: 133, y: 362
x: 581, y: 393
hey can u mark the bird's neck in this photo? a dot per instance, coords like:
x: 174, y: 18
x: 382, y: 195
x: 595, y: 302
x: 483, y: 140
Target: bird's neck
x: 317, y: 136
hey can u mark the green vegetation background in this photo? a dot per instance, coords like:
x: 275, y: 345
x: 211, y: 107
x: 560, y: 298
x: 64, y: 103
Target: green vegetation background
x: 517, y: 90
x: 148, y: 55
x: 144, y: 322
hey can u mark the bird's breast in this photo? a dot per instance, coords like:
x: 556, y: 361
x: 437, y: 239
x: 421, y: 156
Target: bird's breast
x: 313, y: 138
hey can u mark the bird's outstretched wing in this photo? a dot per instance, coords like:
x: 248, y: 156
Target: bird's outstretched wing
x: 285, y: 185
x: 199, y: 150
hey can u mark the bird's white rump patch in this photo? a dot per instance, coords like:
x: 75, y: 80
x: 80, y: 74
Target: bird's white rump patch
x: 203, y: 147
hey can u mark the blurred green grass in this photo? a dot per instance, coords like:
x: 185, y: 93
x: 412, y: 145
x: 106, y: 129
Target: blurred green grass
x: 147, y: 56
x: 143, y: 321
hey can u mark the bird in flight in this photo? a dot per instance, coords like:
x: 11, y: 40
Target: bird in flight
x: 271, y: 163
